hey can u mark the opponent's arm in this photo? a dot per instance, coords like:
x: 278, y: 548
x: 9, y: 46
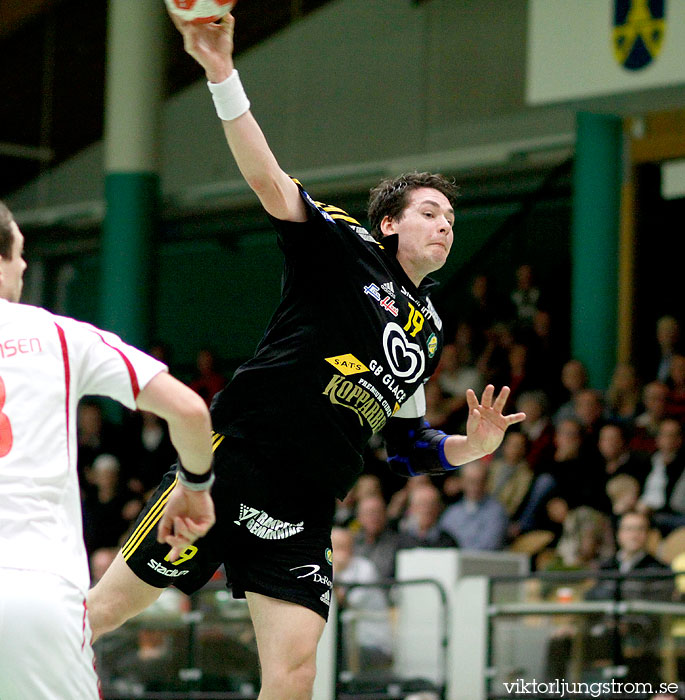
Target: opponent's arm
x: 189, y: 512
x: 416, y: 448
x: 211, y: 45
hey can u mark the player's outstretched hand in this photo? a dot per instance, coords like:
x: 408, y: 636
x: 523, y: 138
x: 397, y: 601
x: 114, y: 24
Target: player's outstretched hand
x: 210, y: 44
x: 486, y: 423
x: 188, y: 515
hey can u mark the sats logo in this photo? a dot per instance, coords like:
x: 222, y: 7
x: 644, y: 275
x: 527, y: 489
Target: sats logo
x: 347, y: 364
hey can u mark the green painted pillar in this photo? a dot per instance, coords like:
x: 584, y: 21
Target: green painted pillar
x: 136, y: 38
x: 594, y: 244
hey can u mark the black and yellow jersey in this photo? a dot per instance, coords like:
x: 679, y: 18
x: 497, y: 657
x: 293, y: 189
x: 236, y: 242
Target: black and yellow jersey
x: 351, y: 340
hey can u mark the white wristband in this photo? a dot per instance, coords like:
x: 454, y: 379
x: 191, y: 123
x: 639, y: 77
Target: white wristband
x: 229, y: 97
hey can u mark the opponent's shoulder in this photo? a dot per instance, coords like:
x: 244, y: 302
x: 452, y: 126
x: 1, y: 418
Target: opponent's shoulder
x: 24, y: 314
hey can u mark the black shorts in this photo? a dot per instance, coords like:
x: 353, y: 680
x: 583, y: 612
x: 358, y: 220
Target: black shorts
x: 272, y: 534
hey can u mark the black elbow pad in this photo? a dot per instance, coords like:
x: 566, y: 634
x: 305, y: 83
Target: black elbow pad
x: 415, y: 448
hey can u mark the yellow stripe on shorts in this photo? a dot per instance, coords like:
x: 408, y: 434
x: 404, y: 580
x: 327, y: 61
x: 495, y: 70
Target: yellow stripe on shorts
x: 147, y: 523
x: 217, y: 439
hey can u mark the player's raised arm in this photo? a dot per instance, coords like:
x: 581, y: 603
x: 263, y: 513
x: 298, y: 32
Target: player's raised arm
x: 211, y: 45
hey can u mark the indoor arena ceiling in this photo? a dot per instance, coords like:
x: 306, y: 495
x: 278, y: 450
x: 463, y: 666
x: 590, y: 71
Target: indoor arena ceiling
x: 52, y: 54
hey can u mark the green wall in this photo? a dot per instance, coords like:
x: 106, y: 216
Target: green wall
x: 222, y: 294
x: 205, y: 294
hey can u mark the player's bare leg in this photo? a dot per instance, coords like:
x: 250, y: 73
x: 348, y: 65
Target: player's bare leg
x: 118, y: 596
x: 287, y: 637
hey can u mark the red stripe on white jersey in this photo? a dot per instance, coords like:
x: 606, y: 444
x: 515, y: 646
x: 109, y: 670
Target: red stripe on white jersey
x: 131, y: 372
x: 67, y: 381
x: 83, y: 630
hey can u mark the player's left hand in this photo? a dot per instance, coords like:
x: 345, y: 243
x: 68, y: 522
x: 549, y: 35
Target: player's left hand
x: 486, y: 423
x: 188, y: 516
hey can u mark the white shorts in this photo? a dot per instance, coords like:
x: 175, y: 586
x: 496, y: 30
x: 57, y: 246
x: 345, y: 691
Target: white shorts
x: 45, y: 650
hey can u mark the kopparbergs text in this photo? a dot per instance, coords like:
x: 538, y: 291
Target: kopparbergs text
x: 561, y: 688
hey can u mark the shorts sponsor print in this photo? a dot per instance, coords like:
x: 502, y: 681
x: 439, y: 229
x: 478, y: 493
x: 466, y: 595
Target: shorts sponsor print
x: 262, y: 525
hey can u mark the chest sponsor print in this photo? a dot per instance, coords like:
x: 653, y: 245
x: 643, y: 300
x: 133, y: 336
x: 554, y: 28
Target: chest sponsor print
x: 347, y: 364
x: 386, y: 301
x: 363, y: 402
x: 405, y: 358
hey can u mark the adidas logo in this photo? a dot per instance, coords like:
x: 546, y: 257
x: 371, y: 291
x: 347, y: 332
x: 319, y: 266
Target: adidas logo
x: 326, y: 598
x: 388, y: 289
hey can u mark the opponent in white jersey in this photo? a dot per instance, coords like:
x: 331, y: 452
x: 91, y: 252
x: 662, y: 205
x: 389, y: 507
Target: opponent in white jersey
x: 48, y: 363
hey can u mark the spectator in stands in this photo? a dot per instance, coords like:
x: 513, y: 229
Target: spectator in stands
x: 99, y: 562
x: 456, y: 374
x: 109, y: 507
x: 519, y: 376
x: 586, y: 541
x: 399, y: 503
x: 373, y: 635
x: 366, y: 485
x: 563, y: 476
x: 481, y: 311
x: 639, y: 633
x: 537, y: 427
x: 675, y: 402
x: 525, y: 297
x: 616, y: 455
x: 465, y: 343
x: 623, y: 491
x: 574, y: 378
x: 479, y: 520
x: 161, y: 351
x: 509, y: 475
x: 439, y: 407
x: 544, y: 350
x: 666, y: 469
x: 96, y: 436
x: 668, y: 341
x: 452, y: 489
x: 151, y: 451
x: 375, y: 540
x: 623, y: 394
x: 420, y: 527
x: 493, y: 363
x: 588, y: 405
x: 208, y: 380
x: 646, y: 427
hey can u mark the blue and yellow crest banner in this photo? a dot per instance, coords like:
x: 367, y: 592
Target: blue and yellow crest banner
x: 638, y: 32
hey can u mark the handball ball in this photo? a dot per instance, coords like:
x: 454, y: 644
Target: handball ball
x: 200, y: 11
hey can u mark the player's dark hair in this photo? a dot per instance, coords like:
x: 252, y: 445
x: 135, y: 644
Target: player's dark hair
x: 6, y: 234
x: 391, y: 196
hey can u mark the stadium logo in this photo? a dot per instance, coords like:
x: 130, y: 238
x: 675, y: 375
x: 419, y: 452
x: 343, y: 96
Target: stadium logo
x: 638, y: 33
x: 160, y: 569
